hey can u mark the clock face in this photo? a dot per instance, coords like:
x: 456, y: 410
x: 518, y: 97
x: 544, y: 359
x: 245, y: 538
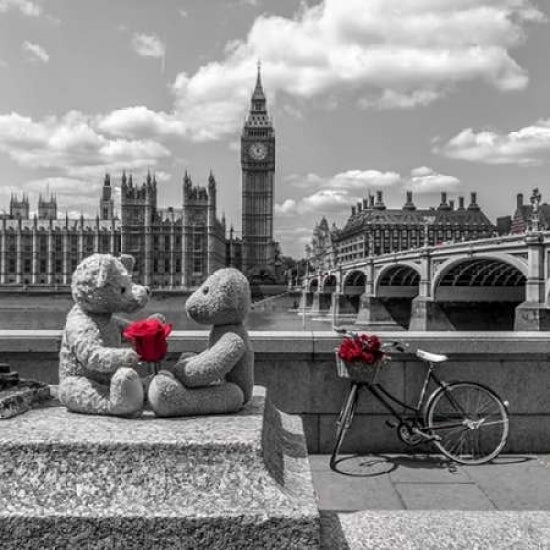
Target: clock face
x: 258, y: 151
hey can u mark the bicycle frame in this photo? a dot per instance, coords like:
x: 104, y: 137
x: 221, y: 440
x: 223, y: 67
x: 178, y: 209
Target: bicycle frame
x: 386, y: 398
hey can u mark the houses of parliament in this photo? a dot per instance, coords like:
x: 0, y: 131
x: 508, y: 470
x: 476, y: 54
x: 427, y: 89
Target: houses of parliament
x: 173, y: 247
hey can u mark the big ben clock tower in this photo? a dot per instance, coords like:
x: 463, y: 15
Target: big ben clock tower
x: 258, y: 167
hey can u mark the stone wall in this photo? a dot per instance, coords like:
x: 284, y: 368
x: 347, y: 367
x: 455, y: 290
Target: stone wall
x: 299, y: 370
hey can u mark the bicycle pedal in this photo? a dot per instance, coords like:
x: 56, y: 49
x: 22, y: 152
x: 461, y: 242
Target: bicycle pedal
x: 391, y: 424
x: 425, y: 436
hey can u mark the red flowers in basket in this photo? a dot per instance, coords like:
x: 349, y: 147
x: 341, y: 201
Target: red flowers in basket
x: 149, y: 338
x: 363, y: 347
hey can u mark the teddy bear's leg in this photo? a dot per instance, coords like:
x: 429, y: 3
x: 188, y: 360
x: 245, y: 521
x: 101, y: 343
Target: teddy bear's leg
x: 169, y: 397
x: 124, y: 397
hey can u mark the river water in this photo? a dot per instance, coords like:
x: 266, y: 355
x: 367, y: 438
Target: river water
x: 27, y: 312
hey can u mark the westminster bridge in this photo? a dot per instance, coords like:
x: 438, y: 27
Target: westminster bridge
x: 505, y: 280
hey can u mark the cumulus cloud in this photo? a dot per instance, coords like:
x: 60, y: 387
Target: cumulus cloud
x: 333, y: 194
x: 73, y: 145
x: 361, y: 179
x: 426, y: 180
x: 382, y: 54
x: 139, y: 121
x: 35, y: 52
x: 527, y: 146
x: 148, y: 45
x: 26, y: 7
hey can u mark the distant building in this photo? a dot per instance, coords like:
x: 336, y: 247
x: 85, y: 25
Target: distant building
x: 373, y: 229
x: 173, y: 248
x: 321, y: 253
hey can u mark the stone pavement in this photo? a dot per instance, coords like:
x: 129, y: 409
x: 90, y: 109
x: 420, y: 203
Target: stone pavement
x: 428, y: 482
x: 422, y: 501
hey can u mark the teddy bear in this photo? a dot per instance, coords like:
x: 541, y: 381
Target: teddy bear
x: 221, y: 378
x: 96, y: 374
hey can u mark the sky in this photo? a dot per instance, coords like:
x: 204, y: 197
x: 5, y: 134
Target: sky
x: 365, y: 95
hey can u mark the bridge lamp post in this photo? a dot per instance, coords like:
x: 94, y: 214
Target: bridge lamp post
x: 535, y: 201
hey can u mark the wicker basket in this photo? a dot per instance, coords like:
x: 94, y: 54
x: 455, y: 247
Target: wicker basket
x: 357, y: 371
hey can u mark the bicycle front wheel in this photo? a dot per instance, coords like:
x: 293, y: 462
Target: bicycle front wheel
x: 470, y: 422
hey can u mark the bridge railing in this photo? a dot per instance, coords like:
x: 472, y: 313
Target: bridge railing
x: 444, y: 246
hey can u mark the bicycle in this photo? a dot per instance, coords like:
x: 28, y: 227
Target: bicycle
x: 467, y: 421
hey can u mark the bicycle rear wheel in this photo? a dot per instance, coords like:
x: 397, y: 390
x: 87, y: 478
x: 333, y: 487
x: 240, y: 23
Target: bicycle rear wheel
x: 470, y: 420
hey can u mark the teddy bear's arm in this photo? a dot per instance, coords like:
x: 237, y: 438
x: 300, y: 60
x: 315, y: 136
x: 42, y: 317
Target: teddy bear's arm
x: 213, y: 363
x: 87, y: 344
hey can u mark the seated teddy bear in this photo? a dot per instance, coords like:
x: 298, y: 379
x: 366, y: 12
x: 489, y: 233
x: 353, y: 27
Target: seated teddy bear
x: 221, y: 378
x: 96, y: 374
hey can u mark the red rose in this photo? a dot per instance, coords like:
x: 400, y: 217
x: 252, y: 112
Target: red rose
x: 149, y: 339
x: 362, y: 347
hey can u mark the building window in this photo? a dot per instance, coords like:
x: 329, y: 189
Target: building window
x: 197, y: 265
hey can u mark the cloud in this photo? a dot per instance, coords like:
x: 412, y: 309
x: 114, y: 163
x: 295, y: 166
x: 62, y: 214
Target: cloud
x: 73, y: 145
x: 183, y: 13
x: 35, y: 52
x: 148, y: 45
x: 335, y: 194
x: 525, y: 147
x: 426, y: 180
x: 139, y: 121
x: 361, y: 179
x: 381, y: 54
x: 26, y: 7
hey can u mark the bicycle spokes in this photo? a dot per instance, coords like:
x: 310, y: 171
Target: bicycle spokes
x: 471, y: 421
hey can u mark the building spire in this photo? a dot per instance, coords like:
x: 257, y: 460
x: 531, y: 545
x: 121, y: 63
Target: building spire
x: 258, y: 94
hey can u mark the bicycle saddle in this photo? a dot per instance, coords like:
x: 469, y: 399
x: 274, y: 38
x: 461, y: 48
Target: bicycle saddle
x: 431, y: 357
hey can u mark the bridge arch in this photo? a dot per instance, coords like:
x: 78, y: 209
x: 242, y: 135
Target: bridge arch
x: 354, y: 282
x: 399, y: 280
x: 486, y: 278
x: 329, y: 283
x: 313, y: 285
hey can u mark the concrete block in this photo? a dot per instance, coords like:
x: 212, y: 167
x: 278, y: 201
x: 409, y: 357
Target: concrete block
x: 408, y: 530
x: 234, y: 481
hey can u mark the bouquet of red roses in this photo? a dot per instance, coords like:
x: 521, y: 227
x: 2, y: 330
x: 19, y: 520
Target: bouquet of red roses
x: 361, y: 347
x: 148, y: 337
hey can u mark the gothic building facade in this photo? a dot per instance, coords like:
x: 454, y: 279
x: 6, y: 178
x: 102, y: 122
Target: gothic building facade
x: 173, y: 247
x: 374, y: 229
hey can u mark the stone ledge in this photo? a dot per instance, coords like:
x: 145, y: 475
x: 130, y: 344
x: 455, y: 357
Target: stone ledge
x: 235, y: 481
x: 411, y: 530
x: 313, y: 342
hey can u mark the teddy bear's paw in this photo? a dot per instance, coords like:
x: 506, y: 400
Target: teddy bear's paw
x: 126, y: 395
x: 166, y: 395
x: 129, y: 358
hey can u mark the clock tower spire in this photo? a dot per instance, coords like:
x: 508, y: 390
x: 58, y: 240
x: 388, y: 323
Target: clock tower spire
x: 258, y: 172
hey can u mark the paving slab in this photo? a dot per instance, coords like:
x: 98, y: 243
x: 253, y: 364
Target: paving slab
x: 515, y: 483
x: 426, y: 469
x: 443, y: 496
x: 348, y: 493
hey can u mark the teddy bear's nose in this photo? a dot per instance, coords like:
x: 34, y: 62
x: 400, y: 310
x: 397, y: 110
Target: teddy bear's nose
x: 148, y: 290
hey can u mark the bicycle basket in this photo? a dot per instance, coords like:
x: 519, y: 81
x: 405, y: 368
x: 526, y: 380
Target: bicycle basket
x: 357, y: 371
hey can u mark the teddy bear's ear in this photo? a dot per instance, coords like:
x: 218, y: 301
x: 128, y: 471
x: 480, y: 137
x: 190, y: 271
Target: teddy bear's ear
x: 128, y: 262
x: 104, y: 271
